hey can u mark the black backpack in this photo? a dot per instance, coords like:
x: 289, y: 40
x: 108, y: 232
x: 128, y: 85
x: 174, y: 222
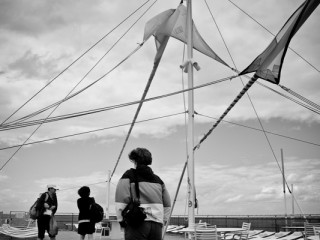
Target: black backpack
x: 34, y: 213
x: 133, y: 214
x: 96, y: 212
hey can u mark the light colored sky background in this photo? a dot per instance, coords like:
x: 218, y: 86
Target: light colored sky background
x: 236, y: 172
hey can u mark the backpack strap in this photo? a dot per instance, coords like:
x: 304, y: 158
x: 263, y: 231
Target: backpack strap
x: 47, y: 196
x: 136, y: 184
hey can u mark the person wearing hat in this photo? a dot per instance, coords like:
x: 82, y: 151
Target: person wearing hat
x: 48, y: 205
x: 154, y: 197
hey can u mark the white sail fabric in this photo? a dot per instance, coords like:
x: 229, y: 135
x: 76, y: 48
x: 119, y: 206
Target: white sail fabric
x: 268, y: 64
x: 173, y: 23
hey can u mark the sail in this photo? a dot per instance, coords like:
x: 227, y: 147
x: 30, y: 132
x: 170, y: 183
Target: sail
x: 269, y: 63
x: 172, y: 23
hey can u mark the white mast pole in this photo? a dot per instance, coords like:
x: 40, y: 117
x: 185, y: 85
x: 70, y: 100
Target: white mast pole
x: 191, y: 193
x: 284, y: 190
x: 108, y: 195
x: 292, y: 199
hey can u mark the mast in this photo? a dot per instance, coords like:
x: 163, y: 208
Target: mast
x: 191, y: 190
x: 284, y: 190
x: 292, y: 198
x: 108, y: 195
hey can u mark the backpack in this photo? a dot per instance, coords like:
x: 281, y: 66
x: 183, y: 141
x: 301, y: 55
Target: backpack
x: 34, y: 213
x: 96, y: 213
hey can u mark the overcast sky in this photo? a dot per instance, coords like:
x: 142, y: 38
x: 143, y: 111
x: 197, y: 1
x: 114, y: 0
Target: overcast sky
x: 237, y: 169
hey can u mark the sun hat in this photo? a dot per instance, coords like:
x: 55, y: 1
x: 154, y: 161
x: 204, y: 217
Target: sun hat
x: 52, y: 186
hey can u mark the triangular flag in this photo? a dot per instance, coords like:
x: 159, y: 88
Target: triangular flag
x: 173, y: 23
x: 268, y: 64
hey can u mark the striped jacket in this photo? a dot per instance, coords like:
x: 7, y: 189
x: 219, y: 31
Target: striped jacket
x: 154, y: 197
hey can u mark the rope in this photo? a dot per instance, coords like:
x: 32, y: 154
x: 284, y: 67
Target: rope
x: 71, y: 96
x: 243, y: 91
x: 81, y: 90
x: 96, y: 130
x: 83, y: 113
x: 185, y: 165
x: 291, y: 99
x: 154, y: 69
x: 175, y: 197
x: 297, y: 95
x: 310, y: 64
x: 77, y: 59
x: 257, y: 129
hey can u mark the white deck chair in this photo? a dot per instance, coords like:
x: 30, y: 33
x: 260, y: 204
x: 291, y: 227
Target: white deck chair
x: 316, y: 230
x: 263, y: 235
x: 278, y: 235
x: 205, y: 233
x: 253, y: 233
x: 308, y: 229
x: 243, y: 234
x: 8, y: 230
x: 293, y: 236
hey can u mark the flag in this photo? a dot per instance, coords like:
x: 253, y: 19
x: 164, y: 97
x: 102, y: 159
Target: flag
x: 268, y: 64
x: 172, y: 23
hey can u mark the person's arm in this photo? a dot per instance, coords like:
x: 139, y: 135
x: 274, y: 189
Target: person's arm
x: 54, y: 208
x: 122, y: 196
x: 166, y: 203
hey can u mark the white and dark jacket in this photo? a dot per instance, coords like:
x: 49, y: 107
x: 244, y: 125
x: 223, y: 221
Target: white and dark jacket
x: 154, y: 197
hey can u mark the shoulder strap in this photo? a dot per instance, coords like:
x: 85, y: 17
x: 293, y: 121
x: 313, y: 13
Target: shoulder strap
x: 136, y: 184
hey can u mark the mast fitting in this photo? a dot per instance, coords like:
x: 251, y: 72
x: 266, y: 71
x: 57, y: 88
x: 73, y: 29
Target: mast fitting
x: 185, y: 65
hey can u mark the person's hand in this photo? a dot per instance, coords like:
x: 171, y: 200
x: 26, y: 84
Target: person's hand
x: 46, y: 205
x: 123, y: 224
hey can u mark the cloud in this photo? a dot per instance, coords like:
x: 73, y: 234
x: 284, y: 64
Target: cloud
x: 33, y: 66
x: 3, y: 178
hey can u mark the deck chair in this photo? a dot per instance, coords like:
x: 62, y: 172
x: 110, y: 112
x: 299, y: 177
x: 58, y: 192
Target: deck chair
x: 244, y: 233
x: 263, y: 235
x: 194, y: 226
x: 308, y: 229
x: 253, y: 233
x: 205, y: 233
x: 278, y: 235
x: 316, y: 230
x: 100, y: 230
x: 293, y: 236
x: 14, y: 232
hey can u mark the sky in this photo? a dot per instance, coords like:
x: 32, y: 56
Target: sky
x: 237, y: 168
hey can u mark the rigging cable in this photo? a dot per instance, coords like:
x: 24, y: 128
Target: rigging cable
x: 40, y: 124
x: 91, y: 131
x: 297, y: 95
x: 73, y: 94
x: 69, y: 96
x: 146, y: 89
x: 186, y: 141
x: 244, y: 90
x: 314, y: 107
x: 274, y: 36
x: 83, y: 113
x: 257, y: 129
x: 77, y: 59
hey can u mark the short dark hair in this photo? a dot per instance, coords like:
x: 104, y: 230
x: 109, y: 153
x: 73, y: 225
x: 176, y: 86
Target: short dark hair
x: 141, y: 156
x: 84, y: 191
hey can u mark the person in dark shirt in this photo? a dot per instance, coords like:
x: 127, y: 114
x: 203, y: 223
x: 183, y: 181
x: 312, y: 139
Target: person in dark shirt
x: 48, y: 205
x: 154, y: 197
x: 84, y: 203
